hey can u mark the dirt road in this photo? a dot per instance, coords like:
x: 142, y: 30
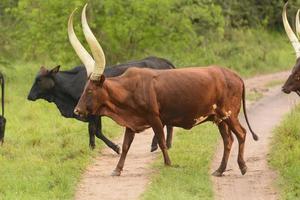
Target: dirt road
x: 258, y: 183
x: 98, y: 184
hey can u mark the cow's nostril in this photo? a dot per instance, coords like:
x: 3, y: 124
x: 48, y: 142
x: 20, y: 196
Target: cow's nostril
x: 76, y: 111
x: 285, y: 90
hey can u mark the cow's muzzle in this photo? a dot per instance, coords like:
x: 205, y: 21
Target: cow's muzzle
x: 79, y: 112
x: 285, y: 90
x: 31, y: 97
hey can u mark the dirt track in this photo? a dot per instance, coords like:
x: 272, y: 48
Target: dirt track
x: 256, y: 184
x: 97, y: 182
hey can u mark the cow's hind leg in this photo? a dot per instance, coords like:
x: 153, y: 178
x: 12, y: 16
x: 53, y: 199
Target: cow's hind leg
x: 227, y: 141
x: 240, y: 133
x: 159, y: 133
x: 128, y: 138
x: 154, y: 144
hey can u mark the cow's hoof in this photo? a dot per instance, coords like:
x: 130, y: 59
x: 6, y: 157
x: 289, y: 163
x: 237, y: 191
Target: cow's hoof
x: 217, y: 173
x: 153, y: 148
x: 116, y: 173
x: 244, y: 170
x: 92, y: 146
x: 117, y: 149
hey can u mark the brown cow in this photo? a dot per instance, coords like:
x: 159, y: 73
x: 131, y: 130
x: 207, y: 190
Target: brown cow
x: 152, y: 98
x: 292, y: 84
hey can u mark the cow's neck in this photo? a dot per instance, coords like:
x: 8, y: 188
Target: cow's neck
x: 120, y: 106
x: 64, y: 97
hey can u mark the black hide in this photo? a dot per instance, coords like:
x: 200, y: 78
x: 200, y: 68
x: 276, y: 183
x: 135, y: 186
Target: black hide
x: 69, y: 85
x: 2, y: 118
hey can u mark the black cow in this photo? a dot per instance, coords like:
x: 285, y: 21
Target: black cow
x: 2, y: 118
x: 64, y: 88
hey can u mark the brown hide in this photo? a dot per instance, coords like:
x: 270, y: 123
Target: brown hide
x: 143, y: 98
x: 178, y: 97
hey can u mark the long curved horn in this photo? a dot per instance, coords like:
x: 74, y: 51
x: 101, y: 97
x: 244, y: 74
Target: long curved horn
x: 96, y: 49
x: 84, y: 56
x: 298, y: 23
x: 293, y: 38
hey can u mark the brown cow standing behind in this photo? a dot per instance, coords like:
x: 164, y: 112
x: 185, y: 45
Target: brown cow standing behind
x: 143, y: 98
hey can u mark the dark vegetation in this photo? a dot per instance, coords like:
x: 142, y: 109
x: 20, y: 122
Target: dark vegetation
x: 245, y: 35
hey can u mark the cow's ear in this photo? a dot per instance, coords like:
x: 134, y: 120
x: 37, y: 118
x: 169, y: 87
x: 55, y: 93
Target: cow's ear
x: 100, y: 81
x: 55, y: 69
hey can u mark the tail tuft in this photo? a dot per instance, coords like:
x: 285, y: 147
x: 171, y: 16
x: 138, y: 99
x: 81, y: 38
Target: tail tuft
x: 255, y: 137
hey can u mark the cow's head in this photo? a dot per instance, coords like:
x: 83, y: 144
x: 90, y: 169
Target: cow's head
x: 93, y: 98
x: 95, y: 87
x: 43, y: 85
x: 292, y: 84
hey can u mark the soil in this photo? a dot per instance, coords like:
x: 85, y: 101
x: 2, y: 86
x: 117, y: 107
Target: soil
x: 97, y: 182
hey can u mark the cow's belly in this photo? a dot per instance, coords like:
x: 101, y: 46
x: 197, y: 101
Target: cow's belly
x: 188, y: 120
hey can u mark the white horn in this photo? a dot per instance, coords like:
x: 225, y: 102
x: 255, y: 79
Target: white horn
x: 95, y: 47
x: 298, y: 23
x: 84, y: 56
x: 294, y: 40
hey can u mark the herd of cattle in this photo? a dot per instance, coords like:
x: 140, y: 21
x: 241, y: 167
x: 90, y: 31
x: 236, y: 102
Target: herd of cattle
x: 151, y: 93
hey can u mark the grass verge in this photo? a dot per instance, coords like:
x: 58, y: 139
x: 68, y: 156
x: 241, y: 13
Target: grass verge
x: 44, y: 153
x: 285, y: 155
x: 191, y: 156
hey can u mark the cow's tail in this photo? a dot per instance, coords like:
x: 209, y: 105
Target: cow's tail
x: 2, y: 92
x: 255, y: 137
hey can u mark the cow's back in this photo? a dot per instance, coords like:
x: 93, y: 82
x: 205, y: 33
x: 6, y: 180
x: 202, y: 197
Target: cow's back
x: 149, y: 62
x: 181, y: 95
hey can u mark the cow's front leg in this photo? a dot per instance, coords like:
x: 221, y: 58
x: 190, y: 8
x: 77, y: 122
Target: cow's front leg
x: 101, y: 136
x: 92, y: 129
x: 169, y: 136
x: 159, y: 133
x: 95, y: 126
x: 128, y: 138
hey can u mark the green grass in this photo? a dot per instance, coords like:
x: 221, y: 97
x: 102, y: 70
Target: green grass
x: 285, y: 155
x: 44, y: 154
x: 246, y: 51
x: 191, y: 156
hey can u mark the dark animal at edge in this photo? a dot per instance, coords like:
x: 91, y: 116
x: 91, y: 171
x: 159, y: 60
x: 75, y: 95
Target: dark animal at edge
x: 144, y: 98
x: 292, y: 84
x: 2, y: 118
x: 64, y: 88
